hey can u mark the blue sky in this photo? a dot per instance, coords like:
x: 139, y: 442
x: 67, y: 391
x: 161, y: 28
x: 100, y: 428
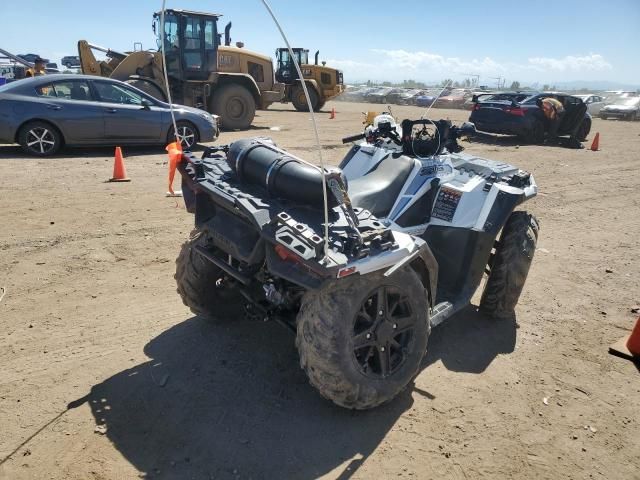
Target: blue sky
x: 533, y: 41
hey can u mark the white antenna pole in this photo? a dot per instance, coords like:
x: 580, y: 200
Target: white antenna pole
x: 166, y: 77
x: 436, y: 99
x: 315, y: 127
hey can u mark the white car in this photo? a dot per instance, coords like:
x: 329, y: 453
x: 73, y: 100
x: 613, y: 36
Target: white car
x: 594, y: 103
x: 6, y: 71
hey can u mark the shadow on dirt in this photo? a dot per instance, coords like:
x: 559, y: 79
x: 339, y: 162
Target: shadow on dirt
x: 498, y: 140
x: 469, y: 341
x: 230, y: 401
x: 513, y: 141
x: 293, y: 110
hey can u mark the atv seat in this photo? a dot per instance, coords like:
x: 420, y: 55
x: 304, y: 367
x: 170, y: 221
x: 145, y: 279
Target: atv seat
x: 378, y: 190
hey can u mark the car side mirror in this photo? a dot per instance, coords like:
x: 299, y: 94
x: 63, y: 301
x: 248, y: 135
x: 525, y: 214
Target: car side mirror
x: 474, y: 99
x: 146, y: 104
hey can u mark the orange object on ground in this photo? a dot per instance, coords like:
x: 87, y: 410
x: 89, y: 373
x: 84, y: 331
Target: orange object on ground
x: 595, y: 145
x: 628, y: 347
x: 174, y: 151
x: 333, y: 114
x: 633, y: 344
x: 119, y: 171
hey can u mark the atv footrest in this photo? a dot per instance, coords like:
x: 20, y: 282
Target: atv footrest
x: 440, y: 312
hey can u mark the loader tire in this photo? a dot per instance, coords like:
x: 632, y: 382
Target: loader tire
x: 299, y: 99
x: 342, y: 363
x: 319, y: 106
x: 509, y: 265
x: 201, y: 284
x: 235, y: 105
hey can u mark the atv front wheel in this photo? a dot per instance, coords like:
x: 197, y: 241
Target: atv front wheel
x: 361, y: 339
x: 510, y: 265
x: 202, y: 285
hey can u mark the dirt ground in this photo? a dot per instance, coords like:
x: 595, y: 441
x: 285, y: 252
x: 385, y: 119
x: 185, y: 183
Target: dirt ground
x: 106, y: 375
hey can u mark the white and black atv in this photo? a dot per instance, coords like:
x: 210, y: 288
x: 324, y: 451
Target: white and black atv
x: 413, y: 227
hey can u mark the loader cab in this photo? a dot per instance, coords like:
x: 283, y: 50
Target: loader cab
x: 191, y: 43
x: 286, y: 71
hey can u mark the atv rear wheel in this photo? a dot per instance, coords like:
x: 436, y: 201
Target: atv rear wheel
x: 361, y: 339
x: 510, y: 265
x: 202, y: 285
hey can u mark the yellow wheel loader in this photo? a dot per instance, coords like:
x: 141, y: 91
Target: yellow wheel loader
x: 323, y: 83
x: 231, y: 82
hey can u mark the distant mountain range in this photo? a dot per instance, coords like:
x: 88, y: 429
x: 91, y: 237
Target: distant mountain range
x: 594, y: 85
x: 601, y: 85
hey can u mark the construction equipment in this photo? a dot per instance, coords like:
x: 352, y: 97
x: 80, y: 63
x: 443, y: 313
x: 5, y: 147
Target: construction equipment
x: 323, y: 83
x: 10, y: 60
x: 228, y: 81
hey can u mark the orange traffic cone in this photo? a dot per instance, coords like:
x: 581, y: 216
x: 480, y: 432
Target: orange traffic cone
x: 629, y: 346
x: 595, y: 145
x: 119, y: 172
x: 333, y: 114
x: 174, y: 150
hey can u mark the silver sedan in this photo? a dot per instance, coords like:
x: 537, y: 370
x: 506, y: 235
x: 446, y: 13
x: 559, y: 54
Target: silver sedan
x: 45, y: 113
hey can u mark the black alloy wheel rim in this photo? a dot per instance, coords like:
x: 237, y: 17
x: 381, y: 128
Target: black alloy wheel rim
x: 383, y: 331
x: 40, y: 140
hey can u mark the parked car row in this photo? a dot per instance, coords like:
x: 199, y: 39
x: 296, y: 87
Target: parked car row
x: 446, y: 97
x: 621, y: 105
x: 45, y: 113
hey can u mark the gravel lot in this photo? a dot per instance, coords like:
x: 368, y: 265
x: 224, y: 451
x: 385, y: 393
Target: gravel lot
x: 106, y: 375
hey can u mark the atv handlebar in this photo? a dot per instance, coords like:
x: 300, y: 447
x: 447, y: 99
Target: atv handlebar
x: 353, y: 138
x: 445, y: 136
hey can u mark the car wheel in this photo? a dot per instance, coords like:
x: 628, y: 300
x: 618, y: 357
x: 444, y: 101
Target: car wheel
x: 584, y: 130
x: 187, y: 133
x: 40, y: 138
x: 536, y: 134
